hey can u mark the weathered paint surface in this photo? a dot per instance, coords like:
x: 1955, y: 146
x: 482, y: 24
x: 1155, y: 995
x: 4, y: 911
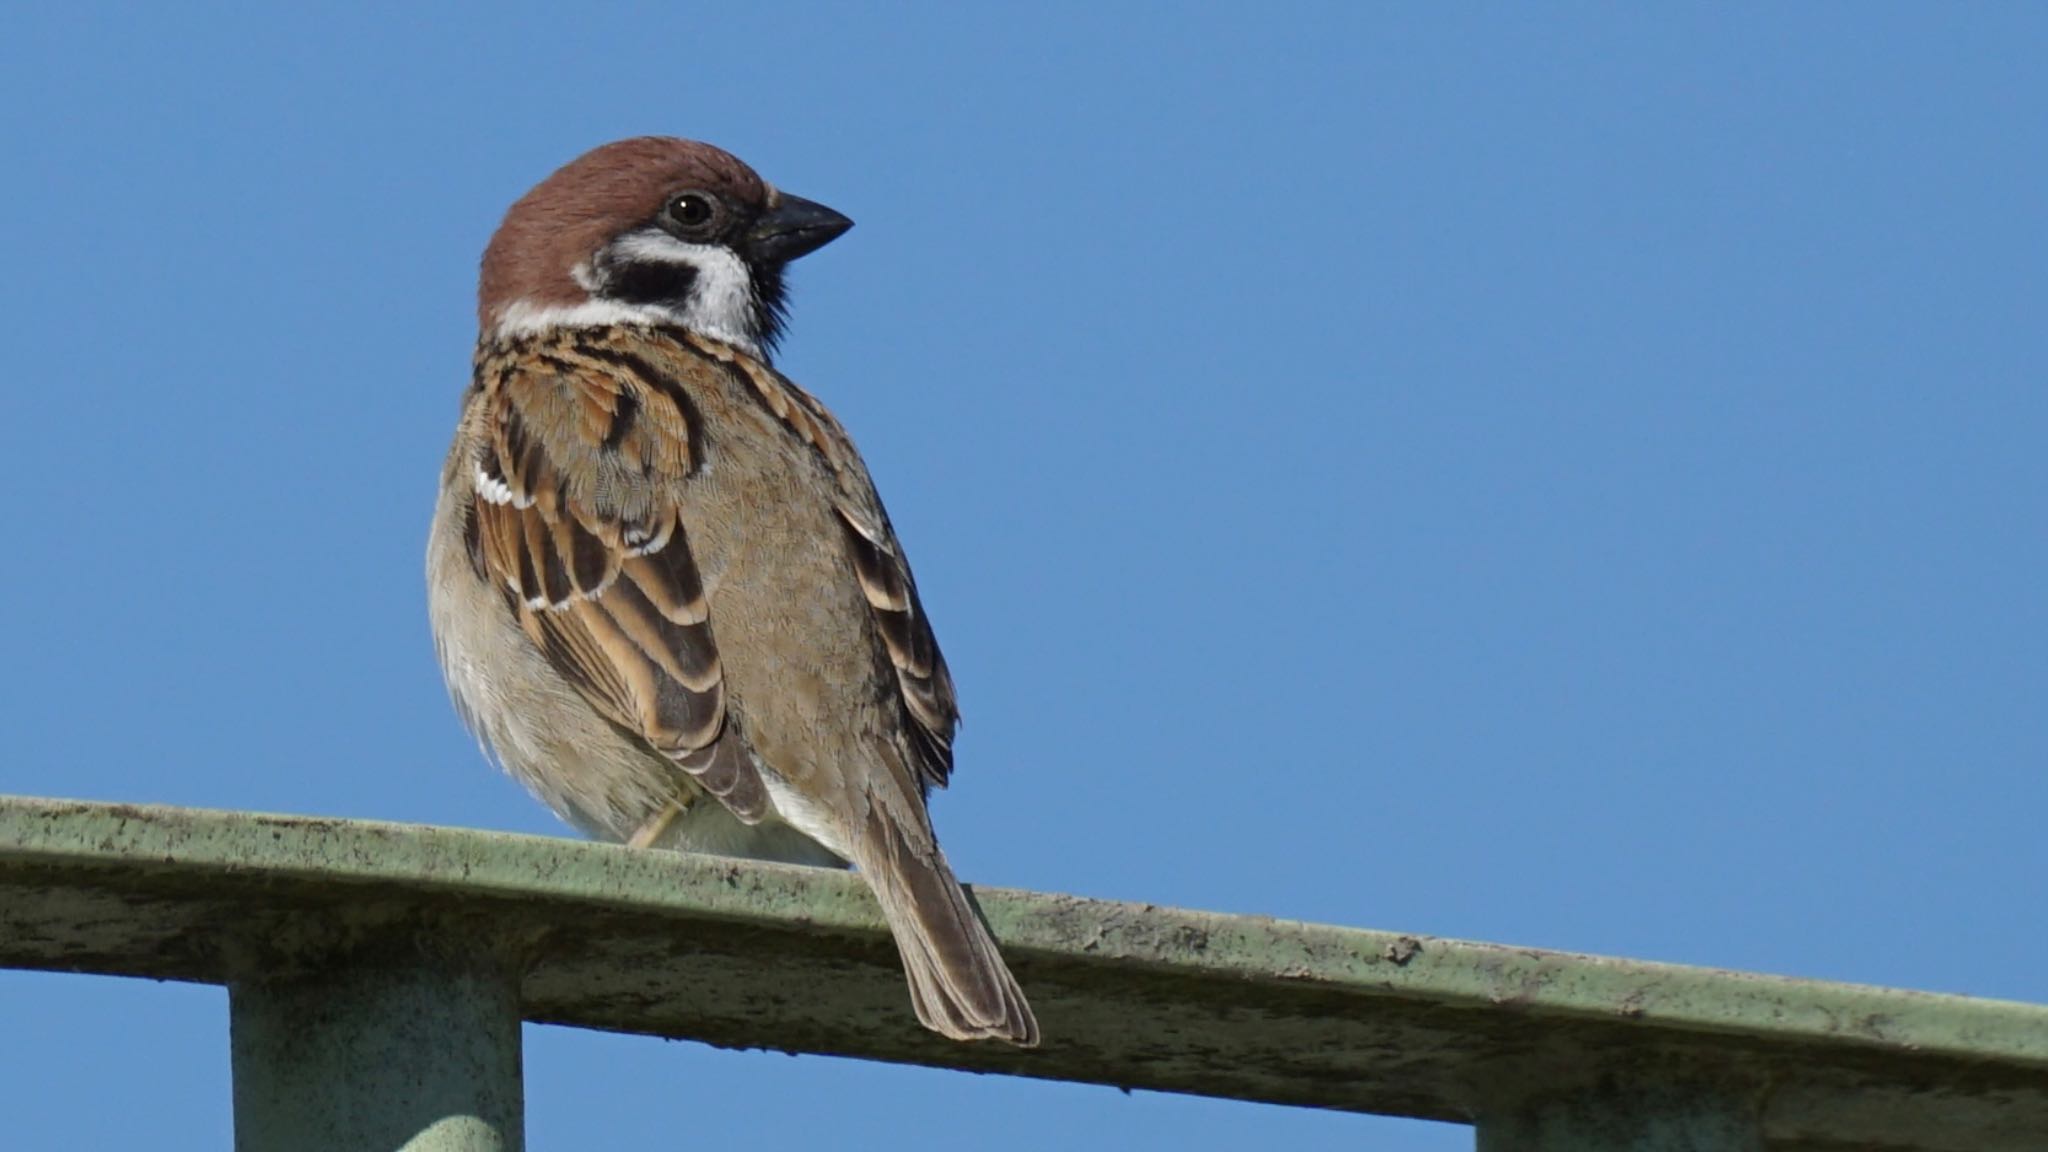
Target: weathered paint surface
x: 1642, y: 1112
x: 756, y: 955
x: 406, y: 1047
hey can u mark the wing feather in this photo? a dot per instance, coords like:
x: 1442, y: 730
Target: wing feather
x: 931, y: 712
x: 600, y: 574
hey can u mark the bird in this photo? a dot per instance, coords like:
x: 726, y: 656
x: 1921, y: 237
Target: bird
x: 664, y: 593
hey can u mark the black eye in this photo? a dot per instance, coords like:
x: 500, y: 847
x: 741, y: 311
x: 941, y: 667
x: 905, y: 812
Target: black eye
x: 695, y: 214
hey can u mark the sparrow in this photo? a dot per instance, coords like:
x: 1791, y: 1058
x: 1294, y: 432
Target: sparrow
x: 663, y: 590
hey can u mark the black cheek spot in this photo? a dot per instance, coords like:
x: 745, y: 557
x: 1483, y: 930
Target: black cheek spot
x: 651, y: 283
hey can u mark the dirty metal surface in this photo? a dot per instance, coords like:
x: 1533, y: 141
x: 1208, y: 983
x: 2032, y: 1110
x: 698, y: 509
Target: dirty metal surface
x: 743, y: 954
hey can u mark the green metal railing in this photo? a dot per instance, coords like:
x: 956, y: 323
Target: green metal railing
x: 378, y: 975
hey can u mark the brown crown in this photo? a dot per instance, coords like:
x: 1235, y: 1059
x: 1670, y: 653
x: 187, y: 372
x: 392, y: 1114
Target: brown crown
x: 589, y: 201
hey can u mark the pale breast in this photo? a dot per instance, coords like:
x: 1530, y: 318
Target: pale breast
x: 532, y: 721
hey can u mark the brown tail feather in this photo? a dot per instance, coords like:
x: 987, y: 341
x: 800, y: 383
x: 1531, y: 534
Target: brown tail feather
x: 958, y: 982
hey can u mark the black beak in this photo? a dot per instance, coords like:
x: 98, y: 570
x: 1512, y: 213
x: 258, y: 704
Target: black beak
x: 794, y: 227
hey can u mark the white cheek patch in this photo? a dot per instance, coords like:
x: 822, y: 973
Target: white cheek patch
x: 721, y: 303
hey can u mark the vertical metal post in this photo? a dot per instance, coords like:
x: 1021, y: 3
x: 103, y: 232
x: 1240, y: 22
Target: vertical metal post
x: 419, y: 1054
x: 1624, y: 1115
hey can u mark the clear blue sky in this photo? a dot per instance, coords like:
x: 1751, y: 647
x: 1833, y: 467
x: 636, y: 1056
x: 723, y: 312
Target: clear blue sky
x: 1570, y: 479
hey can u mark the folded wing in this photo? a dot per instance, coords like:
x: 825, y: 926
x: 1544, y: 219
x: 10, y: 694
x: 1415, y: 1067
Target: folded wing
x: 600, y: 574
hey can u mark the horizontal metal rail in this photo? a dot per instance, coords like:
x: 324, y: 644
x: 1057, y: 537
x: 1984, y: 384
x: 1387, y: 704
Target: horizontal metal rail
x: 378, y: 973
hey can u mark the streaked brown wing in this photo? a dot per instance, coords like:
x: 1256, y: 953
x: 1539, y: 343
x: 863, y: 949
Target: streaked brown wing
x: 599, y: 571
x: 906, y: 632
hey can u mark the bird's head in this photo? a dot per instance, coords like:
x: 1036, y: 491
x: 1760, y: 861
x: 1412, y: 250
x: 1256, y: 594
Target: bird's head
x: 651, y: 230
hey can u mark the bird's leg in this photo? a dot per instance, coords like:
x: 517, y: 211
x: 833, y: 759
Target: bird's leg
x: 657, y: 824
